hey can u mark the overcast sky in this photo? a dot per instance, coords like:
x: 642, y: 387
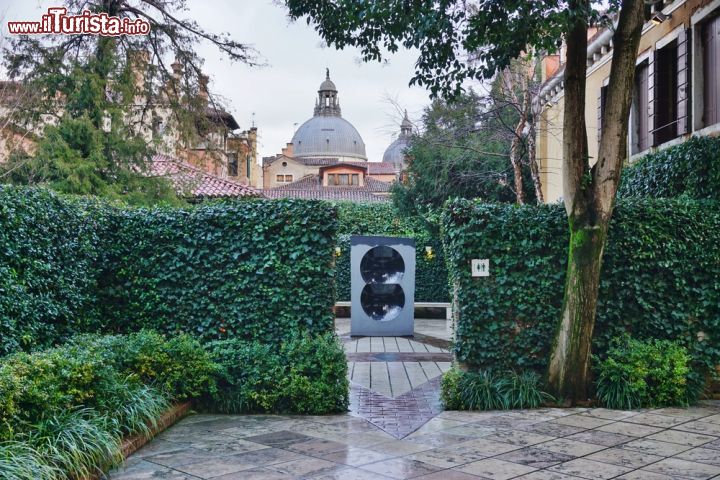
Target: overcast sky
x: 283, y: 93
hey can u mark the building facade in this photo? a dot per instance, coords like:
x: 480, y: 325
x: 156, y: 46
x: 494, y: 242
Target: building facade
x: 676, y: 92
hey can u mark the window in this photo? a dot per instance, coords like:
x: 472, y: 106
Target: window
x: 343, y: 179
x: 232, y: 164
x: 602, y: 100
x: 332, y: 180
x: 711, y: 71
x: 639, y: 133
x: 355, y: 179
x: 281, y: 178
x: 666, y: 67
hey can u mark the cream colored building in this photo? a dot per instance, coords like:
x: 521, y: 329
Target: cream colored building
x: 676, y: 93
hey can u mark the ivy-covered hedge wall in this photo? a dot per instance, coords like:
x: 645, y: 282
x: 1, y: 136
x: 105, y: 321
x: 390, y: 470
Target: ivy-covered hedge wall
x: 255, y: 270
x: 381, y: 219
x: 660, y: 278
x: 48, y: 257
x: 690, y: 170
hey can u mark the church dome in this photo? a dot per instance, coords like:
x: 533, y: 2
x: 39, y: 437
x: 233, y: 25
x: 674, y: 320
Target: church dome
x: 395, y: 152
x: 327, y: 134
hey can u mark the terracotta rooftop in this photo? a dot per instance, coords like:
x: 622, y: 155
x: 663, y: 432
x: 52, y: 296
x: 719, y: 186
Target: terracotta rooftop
x: 373, y: 168
x: 310, y: 187
x: 190, y: 181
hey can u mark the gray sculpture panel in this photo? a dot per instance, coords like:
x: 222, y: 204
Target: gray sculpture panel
x: 382, y: 290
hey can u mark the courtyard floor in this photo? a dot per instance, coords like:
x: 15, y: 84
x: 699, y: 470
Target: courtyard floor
x: 396, y: 429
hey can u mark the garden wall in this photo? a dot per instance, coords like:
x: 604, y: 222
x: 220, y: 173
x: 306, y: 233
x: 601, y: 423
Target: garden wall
x: 48, y: 268
x: 254, y: 270
x: 431, y: 276
x: 690, y: 170
x: 660, y: 278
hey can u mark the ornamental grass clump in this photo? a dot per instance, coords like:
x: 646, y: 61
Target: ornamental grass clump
x: 492, y: 390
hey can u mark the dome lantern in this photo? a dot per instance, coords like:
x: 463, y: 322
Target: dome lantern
x: 328, y: 102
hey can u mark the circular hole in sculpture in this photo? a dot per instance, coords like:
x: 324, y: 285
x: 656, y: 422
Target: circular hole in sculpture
x: 382, y: 265
x: 382, y: 302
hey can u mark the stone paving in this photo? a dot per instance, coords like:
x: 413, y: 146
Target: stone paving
x: 544, y: 444
x: 396, y: 429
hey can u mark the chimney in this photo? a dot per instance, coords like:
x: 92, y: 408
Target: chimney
x: 203, y: 87
x: 177, y: 69
x: 138, y: 61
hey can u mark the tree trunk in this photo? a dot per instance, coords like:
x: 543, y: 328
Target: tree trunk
x: 569, y: 371
x: 532, y: 160
x: 590, y: 194
x: 516, y: 144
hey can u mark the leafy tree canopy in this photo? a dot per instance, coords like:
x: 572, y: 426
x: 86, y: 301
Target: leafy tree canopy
x: 90, y: 95
x: 462, y: 151
x: 456, y: 40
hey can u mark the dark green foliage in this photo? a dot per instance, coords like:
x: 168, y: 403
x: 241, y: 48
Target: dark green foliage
x: 48, y: 258
x: 257, y: 270
x: 492, y: 390
x: 382, y: 219
x: 305, y: 375
x: 253, y: 270
x: 659, y: 279
x: 637, y: 374
x: 689, y: 170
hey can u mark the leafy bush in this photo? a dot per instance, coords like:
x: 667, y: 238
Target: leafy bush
x: 128, y: 379
x: 659, y: 279
x: 254, y: 270
x: 637, y: 374
x: 490, y: 390
x: 48, y: 256
x: 306, y: 375
x: 382, y: 219
x: 690, y: 170
x: 178, y: 366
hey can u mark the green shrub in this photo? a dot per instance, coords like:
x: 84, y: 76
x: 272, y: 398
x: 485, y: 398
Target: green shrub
x: 179, y: 366
x: 690, y: 170
x: 35, y: 385
x: 254, y: 270
x: 317, y: 375
x: 450, y: 389
x: 306, y: 375
x: 637, y: 374
x: 382, y: 219
x: 659, y: 279
x: 48, y: 261
x: 491, y: 390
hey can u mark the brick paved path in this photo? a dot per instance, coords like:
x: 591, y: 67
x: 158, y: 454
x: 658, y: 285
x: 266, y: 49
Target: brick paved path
x: 395, y: 381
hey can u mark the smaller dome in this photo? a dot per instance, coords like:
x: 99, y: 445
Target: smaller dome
x: 328, y: 84
x: 395, y: 152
